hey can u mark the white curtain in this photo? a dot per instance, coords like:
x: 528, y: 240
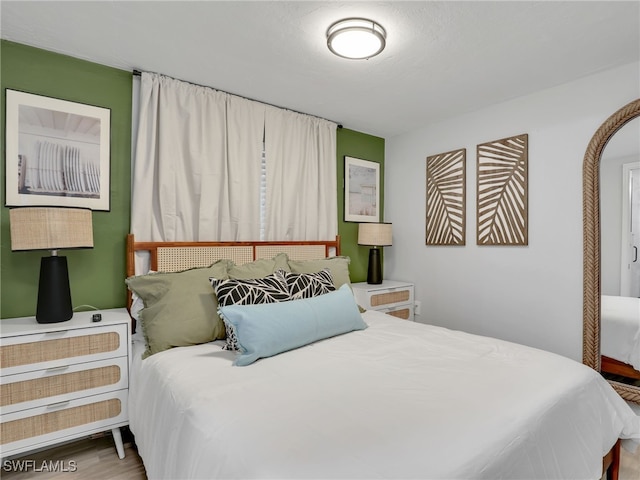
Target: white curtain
x: 197, y: 163
x: 197, y: 167
x: 240, y: 217
x: 302, y: 196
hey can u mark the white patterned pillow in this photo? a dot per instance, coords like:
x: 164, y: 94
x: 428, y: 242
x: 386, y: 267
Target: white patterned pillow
x: 270, y: 289
x: 307, y: 285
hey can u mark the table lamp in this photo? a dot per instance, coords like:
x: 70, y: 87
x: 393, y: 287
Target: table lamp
x: 376, y: 235
x: 51, y: 228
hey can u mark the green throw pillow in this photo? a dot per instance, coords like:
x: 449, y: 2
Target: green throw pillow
x: 338, y: 266
x: 260, y: 268
x: 180, y: 308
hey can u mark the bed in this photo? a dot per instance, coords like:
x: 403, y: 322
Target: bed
x: 393, y: 399
x: 620, y: 336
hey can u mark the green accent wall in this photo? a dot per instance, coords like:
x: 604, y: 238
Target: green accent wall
x: 96, y: 275
x: 366, y: 147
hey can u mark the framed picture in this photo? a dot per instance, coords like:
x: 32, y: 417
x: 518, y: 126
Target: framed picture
x: 361, y: 190
x: 57, y: 152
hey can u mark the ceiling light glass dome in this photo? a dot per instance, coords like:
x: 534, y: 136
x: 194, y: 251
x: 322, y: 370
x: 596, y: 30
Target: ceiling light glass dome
x: 356, y: 38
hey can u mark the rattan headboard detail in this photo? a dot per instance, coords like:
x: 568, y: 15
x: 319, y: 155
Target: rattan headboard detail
x: 175, y: 259
x: 176, y: 256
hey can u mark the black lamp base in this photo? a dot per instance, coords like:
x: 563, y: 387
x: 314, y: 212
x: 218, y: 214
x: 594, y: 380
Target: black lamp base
x: 54, y: 294
x: 374, y: 274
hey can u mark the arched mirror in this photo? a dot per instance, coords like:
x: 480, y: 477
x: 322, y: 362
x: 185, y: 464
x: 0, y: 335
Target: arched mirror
x: 610, y: 307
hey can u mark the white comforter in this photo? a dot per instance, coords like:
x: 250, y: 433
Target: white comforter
x: 397, y: 400
x: 620, y: 329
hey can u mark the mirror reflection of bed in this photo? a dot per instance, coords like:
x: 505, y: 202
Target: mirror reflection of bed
x: 620, y: 265
x: 620, y: 338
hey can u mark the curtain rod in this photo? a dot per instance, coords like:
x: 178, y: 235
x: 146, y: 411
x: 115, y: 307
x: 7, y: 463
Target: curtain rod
x: 138, y: 73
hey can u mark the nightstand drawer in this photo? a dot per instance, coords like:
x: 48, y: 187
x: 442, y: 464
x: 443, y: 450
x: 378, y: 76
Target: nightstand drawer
x: 57, y: 420
x: 43, y: 387
x: 52, y: 349
x: 377, y: 299
x: 405, y: 312
x: 391, y: 296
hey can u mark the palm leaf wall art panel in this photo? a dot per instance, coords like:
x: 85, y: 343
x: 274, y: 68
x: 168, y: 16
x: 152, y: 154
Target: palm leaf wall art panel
x: 446, y: 174
x: 502, y: 192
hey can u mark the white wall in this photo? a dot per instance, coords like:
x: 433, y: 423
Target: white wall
x: 533, y: 294
x: 611, y: 222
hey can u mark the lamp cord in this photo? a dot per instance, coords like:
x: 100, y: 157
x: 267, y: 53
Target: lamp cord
x: 90, y: 306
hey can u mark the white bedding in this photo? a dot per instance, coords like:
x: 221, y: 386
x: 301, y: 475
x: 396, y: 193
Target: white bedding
x: 396, y: 400
x: 620, y: 329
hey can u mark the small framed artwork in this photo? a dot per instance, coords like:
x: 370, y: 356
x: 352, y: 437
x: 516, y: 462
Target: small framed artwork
x: 57, y: 152
x: 361, y: 190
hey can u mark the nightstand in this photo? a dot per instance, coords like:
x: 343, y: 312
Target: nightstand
x: 391, y: 297
x: 62, y: 381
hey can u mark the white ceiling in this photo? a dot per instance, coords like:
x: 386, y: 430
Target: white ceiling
x: 442, y: 58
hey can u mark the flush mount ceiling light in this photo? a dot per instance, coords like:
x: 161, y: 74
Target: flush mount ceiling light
x: 356, y: 38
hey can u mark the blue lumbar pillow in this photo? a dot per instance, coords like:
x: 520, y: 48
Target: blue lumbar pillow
x: 264, y: 330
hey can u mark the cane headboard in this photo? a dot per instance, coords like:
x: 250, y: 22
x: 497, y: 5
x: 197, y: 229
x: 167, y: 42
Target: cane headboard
x: 176, y: 256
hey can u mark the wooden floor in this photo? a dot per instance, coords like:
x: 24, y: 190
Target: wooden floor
x: 629, y: 465
x: 96, y: 458
x: 93, y: 458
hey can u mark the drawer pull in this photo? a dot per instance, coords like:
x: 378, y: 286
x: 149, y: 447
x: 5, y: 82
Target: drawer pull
x: 57, y: 369
x: 54, y: 406
x: 60, y: 333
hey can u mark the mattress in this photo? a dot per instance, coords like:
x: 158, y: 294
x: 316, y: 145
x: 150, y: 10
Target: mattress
x: 620, y: 329
x: 396, y: 400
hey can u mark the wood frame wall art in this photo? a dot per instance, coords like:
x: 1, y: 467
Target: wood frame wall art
x: 502, y: 192
x: 446, y: 198
x: 361, y: 190
x: 57, y: 152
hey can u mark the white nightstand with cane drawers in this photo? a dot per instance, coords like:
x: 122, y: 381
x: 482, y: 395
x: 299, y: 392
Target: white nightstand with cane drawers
x: 391, y: 297
x: 62, y: 381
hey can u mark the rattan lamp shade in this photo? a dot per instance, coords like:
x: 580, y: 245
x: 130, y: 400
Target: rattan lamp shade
x: 49, y: 228
x: 375, y: 234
